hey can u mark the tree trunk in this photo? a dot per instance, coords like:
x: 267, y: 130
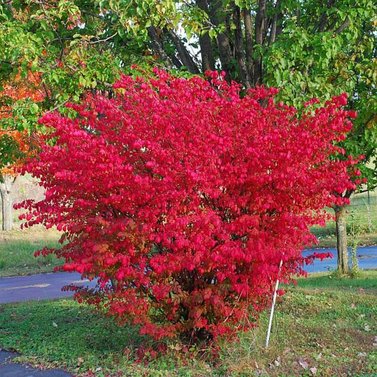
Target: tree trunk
x: 248, y: 23
x: 183, y: 54
x: 260, y: 30
x: 275, y: 21
x: 206, y: 50
x: 217, y: 16
x: 157, y: 46
x: 239, y: 48
x: 341, y: 238
x: 6, y: 201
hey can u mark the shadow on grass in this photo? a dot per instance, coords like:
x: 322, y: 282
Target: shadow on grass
x: 72, y: 335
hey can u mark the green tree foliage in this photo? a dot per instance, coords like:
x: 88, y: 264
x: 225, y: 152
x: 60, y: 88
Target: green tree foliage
x: 310, y: 48
x: 70, y: 46
x: 325, y: 51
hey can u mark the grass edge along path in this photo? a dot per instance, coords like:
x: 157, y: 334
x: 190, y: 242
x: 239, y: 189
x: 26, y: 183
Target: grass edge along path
x: 17, y: 249
x: 325, y: 327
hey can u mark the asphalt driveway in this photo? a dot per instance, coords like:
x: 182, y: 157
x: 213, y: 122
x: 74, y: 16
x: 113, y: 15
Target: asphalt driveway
x: 38, y: 287
x: 10, y: 369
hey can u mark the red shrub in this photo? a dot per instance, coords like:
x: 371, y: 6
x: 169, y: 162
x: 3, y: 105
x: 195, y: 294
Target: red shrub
x: 182, y: 197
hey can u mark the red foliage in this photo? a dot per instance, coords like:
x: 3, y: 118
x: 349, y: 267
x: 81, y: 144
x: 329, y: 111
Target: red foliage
x: 182, y: 197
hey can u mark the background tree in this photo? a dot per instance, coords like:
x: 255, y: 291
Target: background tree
x: 327, y: 51
x: 307, y: 48
x: 15, y: 144
x: 51, y: 54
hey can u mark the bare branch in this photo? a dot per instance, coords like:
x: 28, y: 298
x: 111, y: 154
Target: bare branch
x: 184, y: 55
x: 322, y: 24
x: 158, y: 47
x: 343, y: 26
x: 103, y: 40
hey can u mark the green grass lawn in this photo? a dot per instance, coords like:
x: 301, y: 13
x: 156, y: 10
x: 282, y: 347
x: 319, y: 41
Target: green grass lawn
x: 323, y: 327
x: 366, y: 239
x: 17, y: 251
x: 361, y: 223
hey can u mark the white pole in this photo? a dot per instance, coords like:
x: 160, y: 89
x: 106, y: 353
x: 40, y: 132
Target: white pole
x: 273, y: 306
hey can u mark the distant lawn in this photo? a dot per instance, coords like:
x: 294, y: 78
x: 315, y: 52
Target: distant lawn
x: 17, y: 249
x: 329, y: 240
x: 323, y: 327
x: 324, y: 281
x: 361, y: 223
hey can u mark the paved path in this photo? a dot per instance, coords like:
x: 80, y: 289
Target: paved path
x: 37, y: 287
x: 366, y: 255
x: 10, y: 369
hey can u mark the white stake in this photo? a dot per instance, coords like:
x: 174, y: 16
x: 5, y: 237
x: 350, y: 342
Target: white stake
x: 273, y: 306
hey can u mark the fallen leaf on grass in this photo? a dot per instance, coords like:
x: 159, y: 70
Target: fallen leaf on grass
x: 175, y: 347
x: 313, y: 370
x: 318, y: 357
x: 303, y: 363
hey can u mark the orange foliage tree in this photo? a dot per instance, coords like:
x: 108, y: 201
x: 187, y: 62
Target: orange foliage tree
x: 19, y: 100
